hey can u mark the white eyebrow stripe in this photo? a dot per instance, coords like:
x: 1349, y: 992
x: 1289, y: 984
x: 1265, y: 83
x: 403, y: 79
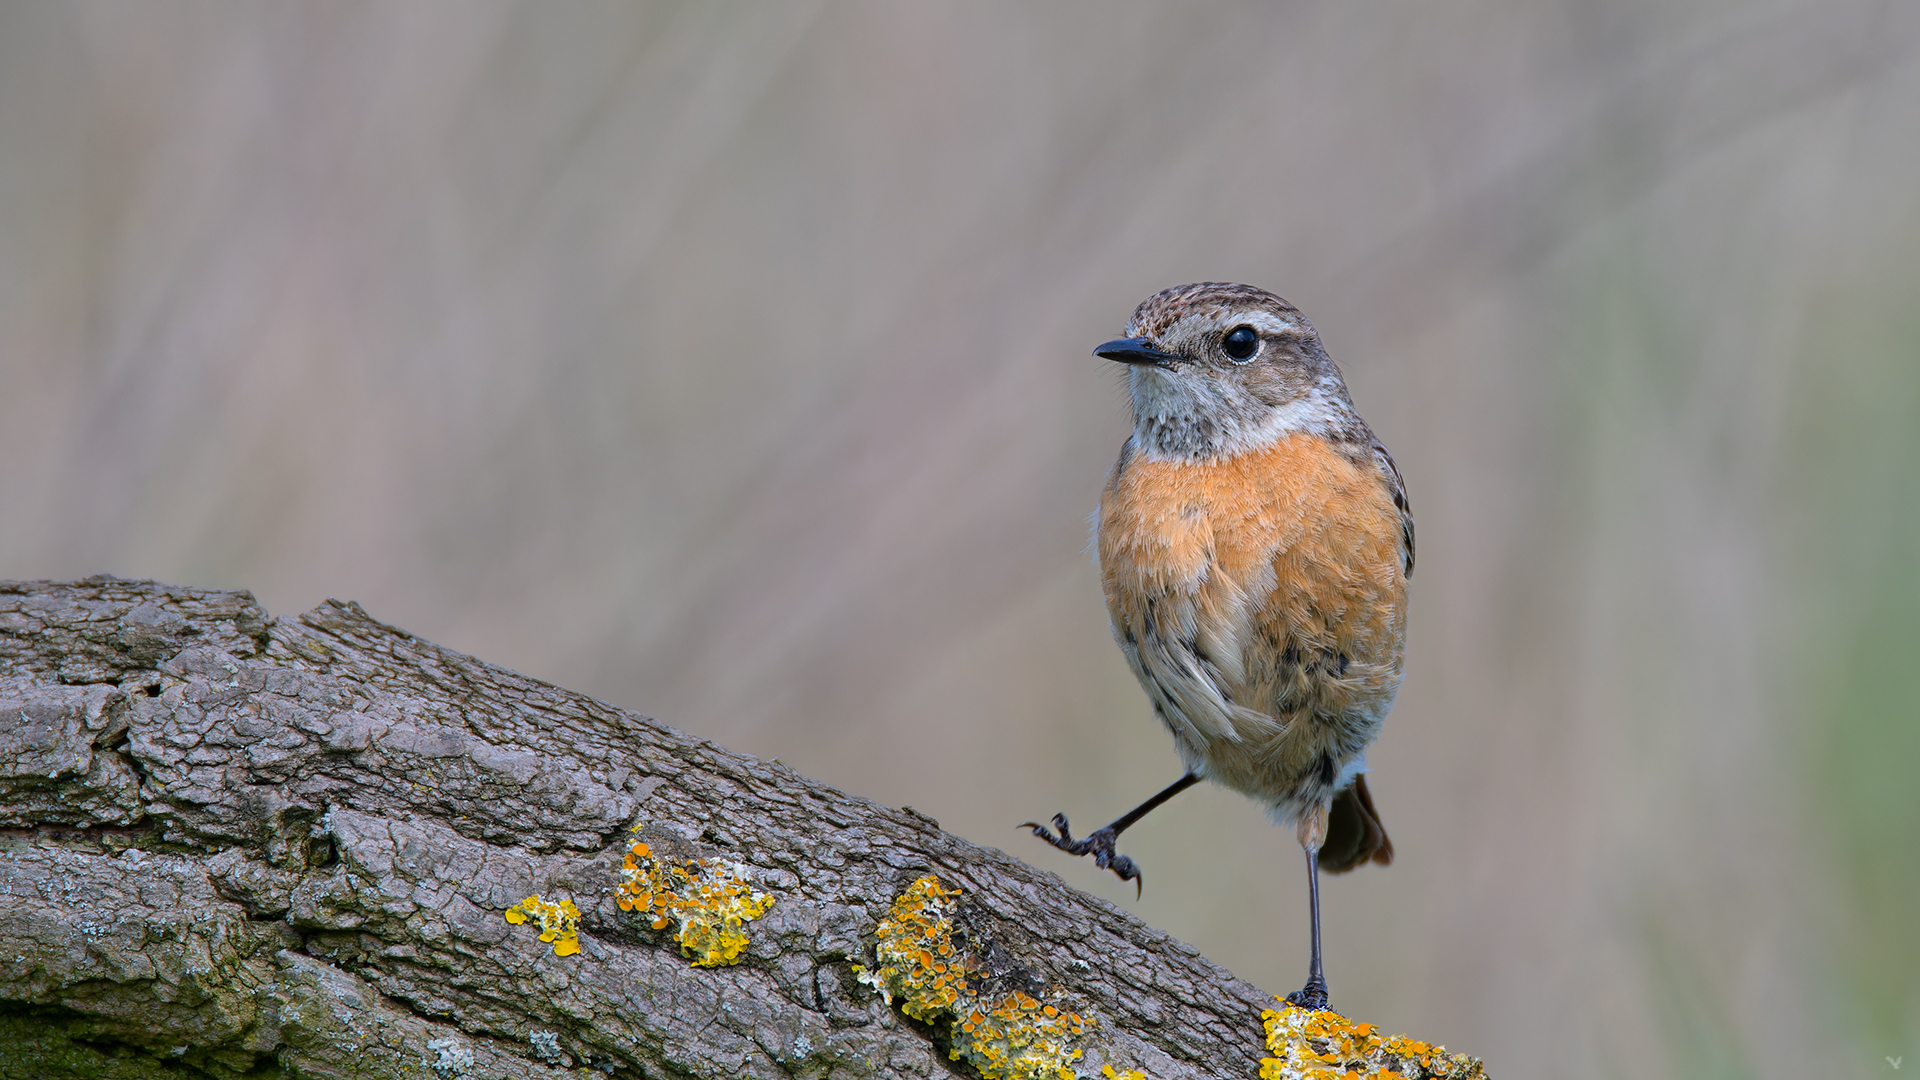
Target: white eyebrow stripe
x: 1265, y: 321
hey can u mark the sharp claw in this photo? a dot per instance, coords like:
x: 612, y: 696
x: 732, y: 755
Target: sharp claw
x: 1064, y: 841
x: 1098, y: 843
x: 1312, y: 996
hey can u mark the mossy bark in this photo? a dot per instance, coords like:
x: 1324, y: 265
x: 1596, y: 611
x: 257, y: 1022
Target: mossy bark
x: 240, y: 846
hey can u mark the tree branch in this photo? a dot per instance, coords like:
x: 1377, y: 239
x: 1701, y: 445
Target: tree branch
x: 318, y: 846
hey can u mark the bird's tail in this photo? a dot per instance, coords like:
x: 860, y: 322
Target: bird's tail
x: 1354, y: 832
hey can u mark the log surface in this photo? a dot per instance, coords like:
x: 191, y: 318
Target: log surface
x: 235, y: 845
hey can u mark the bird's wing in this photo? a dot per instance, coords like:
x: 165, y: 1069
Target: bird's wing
x: 1398, y: 487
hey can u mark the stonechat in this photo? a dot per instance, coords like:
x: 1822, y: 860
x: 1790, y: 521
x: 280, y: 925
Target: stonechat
x: 1255, y: 544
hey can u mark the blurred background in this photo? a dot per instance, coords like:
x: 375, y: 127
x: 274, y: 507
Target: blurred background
x: 731, y: 363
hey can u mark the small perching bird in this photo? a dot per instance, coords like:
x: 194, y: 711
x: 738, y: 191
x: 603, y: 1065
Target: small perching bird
x: 1255, y: 544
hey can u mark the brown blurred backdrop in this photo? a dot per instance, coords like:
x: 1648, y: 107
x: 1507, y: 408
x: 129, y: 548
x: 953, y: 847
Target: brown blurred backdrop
x: 731, y: 363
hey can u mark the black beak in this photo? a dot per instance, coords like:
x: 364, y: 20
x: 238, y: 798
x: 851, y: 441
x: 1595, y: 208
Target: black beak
x: 1135, y: 350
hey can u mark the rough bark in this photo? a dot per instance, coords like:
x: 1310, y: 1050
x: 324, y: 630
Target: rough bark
x: 234, y: 845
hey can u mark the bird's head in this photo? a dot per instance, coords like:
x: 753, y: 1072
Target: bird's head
x: 1219, y: 369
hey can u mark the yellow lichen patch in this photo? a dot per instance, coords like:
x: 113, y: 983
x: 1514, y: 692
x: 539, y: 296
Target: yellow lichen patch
x: 1325, y: 1045
x: 1006, y: 1035
x: 559, y: 922
x: 711, y: 900
x: 1131, y: 1074
x: 916, y: 952
x: 1016, y: 1035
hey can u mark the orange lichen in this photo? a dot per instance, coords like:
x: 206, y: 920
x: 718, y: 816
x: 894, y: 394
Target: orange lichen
x: 559, y: 922
x: 1015, y: 1036
x: 711, y: 900
x: 1006, y: 1035
x: 917, y: 929
x: 1312, y: 1045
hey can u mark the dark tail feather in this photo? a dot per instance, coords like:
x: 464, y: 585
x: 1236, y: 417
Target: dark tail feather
x: 1354, y: 832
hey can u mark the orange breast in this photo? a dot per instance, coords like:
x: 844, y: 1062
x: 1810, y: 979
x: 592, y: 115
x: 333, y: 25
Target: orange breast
x: 1276, y: 577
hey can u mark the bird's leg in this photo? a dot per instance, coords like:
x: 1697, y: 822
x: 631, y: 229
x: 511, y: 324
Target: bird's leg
x: 1314, y: 994
x: 1313, y: 832
x: 1100, y: 842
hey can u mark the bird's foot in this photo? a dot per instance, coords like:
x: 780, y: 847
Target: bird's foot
x: 1312, y: 996
x: 1098, y: 843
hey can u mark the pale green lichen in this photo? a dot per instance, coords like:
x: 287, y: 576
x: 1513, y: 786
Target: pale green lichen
x: 450, y: 1058
x: 1006, y: 1035
x: 1310, y: 1045
x: 711, y: 900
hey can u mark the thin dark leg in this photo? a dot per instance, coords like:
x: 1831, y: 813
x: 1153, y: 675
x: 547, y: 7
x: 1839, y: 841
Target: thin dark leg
x: 1100, y: 842
x: 1314, y: 994
x: 1125, y: 821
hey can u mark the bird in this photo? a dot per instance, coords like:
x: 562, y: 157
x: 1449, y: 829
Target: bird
x: 1255, y: 543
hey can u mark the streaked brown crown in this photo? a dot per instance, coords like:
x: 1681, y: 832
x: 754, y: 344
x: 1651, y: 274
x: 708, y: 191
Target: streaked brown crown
x: 1158, y: 313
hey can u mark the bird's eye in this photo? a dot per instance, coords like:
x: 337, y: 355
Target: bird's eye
x: 1241, y: 343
